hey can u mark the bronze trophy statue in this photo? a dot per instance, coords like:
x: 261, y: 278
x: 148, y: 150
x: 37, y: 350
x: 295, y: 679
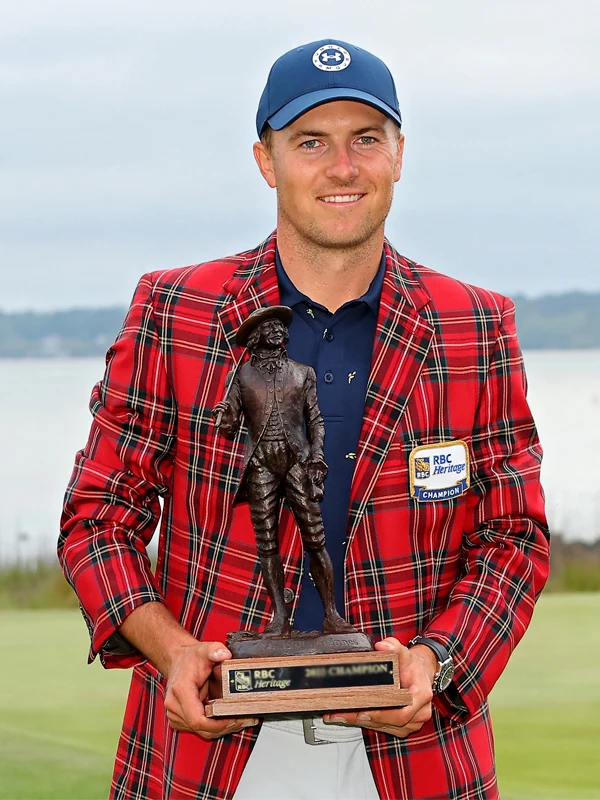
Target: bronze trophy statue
x: 284, y: 458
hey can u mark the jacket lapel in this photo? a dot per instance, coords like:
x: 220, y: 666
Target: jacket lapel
x: 402, y: 340
x: 253, y: 285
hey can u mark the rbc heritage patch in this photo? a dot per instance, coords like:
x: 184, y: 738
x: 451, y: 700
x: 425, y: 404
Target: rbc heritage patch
x: 439, y: 471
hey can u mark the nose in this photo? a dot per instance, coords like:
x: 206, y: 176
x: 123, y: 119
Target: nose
x: 342, y: 166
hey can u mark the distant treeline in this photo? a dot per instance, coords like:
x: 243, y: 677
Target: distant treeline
x: 574, y: 567
x: 559, y: 321
x: 75, y: 333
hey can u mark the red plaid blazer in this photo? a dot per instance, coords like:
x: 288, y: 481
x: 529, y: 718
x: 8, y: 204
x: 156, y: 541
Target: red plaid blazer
x: 446, y: 365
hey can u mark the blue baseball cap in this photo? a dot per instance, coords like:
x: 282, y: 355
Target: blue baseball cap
x: 322, y: 71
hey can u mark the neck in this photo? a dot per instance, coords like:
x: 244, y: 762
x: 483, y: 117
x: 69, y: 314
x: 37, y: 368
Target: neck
x: 329, y: 276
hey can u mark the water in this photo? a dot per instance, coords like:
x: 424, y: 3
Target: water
x: 45, y: 420
x: 564, y: 395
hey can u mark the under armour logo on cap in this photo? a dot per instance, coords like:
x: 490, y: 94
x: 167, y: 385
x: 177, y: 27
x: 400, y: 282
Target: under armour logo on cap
x: 320, y: 72
x: 331, y: 58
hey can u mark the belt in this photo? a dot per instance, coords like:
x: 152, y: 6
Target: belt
x: 315, y: 731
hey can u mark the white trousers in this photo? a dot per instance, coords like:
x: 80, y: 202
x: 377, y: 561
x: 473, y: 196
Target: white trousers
x: 283, y: 766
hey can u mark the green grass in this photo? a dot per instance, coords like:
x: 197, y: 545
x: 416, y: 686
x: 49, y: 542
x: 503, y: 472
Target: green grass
x: 60, y: 719
x: 546, y: 706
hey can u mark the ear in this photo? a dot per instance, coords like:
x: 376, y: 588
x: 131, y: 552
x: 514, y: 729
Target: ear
x: 265, y: 163
x: 399, y: 156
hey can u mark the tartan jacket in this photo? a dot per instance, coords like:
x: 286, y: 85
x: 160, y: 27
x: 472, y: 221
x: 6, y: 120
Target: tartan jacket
x: 466, y: 571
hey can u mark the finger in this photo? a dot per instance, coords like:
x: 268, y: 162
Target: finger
x: 393, y: 730
x: 421, y: 695
x: 177, y: 722
x: 354, y: 717
x: 184, y: 699
x: 391, y: 643
x: 220, y: 727
x: 423, y: 714
x: 397, y: 717
x: 173, y: 706
x: 226, y: 726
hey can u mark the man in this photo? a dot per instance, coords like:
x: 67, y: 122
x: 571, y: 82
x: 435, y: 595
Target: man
x: 278, y: 397
x: 433, y: 510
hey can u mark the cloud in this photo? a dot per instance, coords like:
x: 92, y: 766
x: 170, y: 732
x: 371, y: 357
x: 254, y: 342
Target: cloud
x: 128, y: 129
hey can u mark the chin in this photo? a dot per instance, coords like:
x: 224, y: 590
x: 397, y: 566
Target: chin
x: 342, y: 239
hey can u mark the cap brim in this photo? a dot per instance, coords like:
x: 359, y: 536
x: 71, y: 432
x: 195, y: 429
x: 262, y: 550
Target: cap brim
x: 300, y: 105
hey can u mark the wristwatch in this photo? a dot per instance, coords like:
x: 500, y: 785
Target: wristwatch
x: 443, y: 677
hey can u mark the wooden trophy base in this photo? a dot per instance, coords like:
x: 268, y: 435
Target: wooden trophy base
x: 250, y: 687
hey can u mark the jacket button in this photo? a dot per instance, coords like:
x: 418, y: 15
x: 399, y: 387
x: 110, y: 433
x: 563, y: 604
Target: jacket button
x: 288, y: 595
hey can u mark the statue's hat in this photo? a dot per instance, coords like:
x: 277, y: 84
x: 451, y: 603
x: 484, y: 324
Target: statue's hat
x: 282, y: 313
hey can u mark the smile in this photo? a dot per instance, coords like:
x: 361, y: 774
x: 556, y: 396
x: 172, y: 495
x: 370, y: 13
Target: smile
x: 341, y: 198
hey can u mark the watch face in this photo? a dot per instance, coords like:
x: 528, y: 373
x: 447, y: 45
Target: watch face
x: 444, y: 676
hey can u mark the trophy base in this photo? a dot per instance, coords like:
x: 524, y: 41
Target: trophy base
x: 305, y: 683
x: 299, y: 643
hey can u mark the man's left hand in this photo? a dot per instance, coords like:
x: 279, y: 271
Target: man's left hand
x: 418, y: 666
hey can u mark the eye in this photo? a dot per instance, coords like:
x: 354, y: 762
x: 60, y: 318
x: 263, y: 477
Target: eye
x: 311, y: 144
x: 367, y: 140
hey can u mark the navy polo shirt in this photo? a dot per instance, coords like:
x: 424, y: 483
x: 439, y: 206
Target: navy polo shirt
x: 339, y: 348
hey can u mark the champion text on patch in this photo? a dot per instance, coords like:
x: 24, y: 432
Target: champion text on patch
x: 439, y: 471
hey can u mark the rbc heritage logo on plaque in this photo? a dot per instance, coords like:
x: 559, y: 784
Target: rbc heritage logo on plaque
x: 243, y: 680
x: 331, y: 58
x: 439, y: 471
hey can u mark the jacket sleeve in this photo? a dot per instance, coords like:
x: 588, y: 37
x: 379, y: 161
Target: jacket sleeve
x: 505, y: 549
x: 112, y: 502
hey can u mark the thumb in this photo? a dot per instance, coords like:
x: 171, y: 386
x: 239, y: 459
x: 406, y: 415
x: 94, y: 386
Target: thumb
x: 404, y: 655
x: 217, y: 652
x: 391, y: 643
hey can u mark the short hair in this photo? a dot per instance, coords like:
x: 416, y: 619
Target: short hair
x: 266, y: 136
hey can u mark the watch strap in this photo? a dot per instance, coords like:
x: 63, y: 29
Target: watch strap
x: 440, y: 651
x: 443, y: 677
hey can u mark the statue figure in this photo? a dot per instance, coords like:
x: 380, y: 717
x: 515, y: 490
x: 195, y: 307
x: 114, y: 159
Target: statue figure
x: 278, y: 398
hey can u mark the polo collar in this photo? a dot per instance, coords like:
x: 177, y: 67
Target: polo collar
x: 291, y: 296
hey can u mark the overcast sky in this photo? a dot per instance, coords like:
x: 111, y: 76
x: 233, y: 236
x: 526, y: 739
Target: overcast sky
x: 127, y: 130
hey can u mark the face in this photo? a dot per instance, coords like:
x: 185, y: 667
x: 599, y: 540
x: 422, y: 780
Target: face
x: 334, y: 169
x: 272, y: 333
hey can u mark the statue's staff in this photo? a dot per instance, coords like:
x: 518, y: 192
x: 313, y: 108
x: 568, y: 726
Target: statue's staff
x: 231, y: 376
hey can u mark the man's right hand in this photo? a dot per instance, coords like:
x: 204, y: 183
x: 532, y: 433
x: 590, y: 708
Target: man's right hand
x: 187, y: 689
x: 187, y: 665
